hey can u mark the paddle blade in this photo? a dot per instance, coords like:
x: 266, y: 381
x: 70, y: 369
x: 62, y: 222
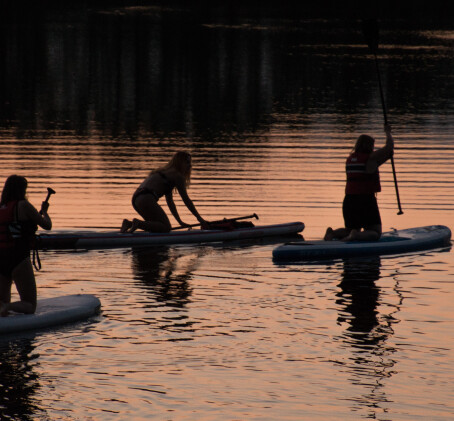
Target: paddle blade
x: 370, y: 31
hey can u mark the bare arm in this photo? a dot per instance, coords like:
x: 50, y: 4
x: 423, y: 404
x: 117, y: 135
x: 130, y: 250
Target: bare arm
x: 28, y: 212
x: 380, y: 156
x: 173, y: 209
x: 188, y: 202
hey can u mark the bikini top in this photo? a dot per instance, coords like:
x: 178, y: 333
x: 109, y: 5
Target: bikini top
x: 169, y: 185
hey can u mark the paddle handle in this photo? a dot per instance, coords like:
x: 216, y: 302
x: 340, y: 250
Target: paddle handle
x: 50, y: 192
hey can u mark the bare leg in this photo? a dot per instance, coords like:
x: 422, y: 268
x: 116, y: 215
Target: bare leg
x: 24, y: 278
x: 155, y: 219
x: 369, y: 234
x: 150, y: 226
x: 3, y: 309
x: 337, y: 234
x: 5, y: 295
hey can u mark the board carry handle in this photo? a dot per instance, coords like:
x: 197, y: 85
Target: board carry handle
x: 238, y: 218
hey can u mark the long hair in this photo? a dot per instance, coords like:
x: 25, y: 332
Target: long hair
x: 14, y: 189
x: 179, y: 162
x: 364, y: 144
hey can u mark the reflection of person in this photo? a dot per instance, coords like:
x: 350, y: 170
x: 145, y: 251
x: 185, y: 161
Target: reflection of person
x: 165, y: 273
x: 358, y: 299
x: 360, y: 209
x: 367, y: 315
x: 15, y: 264
x: 21, y: 381
x: 176, y: 174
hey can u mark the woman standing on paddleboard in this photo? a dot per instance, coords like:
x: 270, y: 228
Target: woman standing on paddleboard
x: 360, y: 208
x: 175, y: 175
x: 19, y: 221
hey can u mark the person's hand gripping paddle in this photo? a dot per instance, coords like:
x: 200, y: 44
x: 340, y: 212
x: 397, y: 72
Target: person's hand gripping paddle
x: 45, y: 204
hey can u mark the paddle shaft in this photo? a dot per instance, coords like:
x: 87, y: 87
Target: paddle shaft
x: 371, y: 34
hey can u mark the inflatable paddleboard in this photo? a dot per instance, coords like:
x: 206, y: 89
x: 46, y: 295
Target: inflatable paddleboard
x: 52, y: 312
x: 393, y: 242
x: 102, y: 239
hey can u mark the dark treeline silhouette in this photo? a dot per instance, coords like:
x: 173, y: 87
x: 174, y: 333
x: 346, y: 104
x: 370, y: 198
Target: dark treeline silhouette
x: 438, y: 9
x: 130, y: 71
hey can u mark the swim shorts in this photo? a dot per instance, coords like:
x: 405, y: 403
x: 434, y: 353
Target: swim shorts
x: 360, y: 211
x: 10, y: 258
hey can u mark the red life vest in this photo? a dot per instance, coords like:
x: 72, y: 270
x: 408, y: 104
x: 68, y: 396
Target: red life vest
x: 358, y: 180
x: 6, y: 217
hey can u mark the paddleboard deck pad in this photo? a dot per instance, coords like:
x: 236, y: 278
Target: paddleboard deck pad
x: 102, y: 239
x: 393, y: 242
x: 52, y: 312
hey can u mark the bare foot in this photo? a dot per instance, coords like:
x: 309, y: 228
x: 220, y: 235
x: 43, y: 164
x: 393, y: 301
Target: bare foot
x: 134, y: 225
x: 329, y: 234
x: 3, y: 309
x: 125, y: 226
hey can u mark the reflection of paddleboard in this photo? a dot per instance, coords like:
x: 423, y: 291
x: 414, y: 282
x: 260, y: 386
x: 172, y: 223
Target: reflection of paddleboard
x: 51, y: 312
x: 393, y: 242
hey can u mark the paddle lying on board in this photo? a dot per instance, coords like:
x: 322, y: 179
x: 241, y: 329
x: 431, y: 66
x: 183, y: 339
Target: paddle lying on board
x: 221, y: 224
x: 370, y: 31
x: 210, y: 225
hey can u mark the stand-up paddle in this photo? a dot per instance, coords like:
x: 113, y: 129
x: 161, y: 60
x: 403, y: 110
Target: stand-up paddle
x: 370, y: 30
x: 36, y: 259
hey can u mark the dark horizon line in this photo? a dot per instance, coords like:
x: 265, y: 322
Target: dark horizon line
x: 435, y: 9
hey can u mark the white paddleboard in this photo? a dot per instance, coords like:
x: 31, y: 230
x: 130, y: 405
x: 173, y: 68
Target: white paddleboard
x: 96, y: 239
x: 52, y: 312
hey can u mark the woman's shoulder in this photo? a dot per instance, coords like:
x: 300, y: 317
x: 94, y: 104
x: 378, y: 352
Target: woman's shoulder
x: 24, y: 203
x: 25, y: 208
x: 172, y: 174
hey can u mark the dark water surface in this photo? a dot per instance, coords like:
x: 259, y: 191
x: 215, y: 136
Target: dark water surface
x: 269, y: 108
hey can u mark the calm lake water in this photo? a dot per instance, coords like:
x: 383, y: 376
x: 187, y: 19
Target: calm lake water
x: 269, y: 108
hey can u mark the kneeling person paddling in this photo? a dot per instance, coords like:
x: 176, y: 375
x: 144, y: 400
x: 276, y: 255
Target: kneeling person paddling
x: 19, y: 220
x: 360, y: 208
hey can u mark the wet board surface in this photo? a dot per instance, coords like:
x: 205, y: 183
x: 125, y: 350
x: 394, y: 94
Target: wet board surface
x: 392, y: 242
x: 52, y: 312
